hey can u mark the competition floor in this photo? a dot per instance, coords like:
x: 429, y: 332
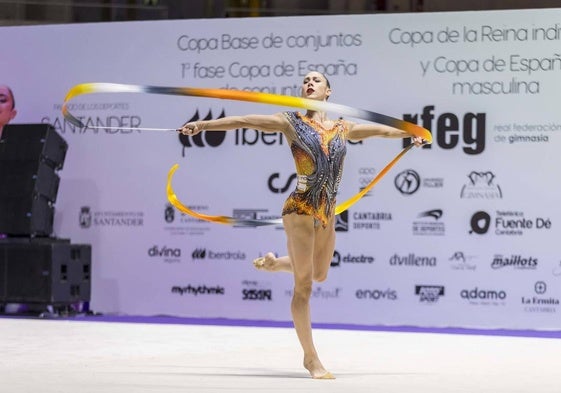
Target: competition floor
x: 140, y: 356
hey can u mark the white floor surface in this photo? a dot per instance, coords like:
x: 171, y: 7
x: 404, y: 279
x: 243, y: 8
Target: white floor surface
x: 48, y: 356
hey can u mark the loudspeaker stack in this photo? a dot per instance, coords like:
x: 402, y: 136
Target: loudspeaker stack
x: 34, y: 266
x: 30, y: 156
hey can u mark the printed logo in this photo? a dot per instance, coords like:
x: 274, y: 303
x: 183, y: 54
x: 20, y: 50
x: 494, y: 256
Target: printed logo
x: 412, y: 260
x: 353, y: 259
x: 336, y: 260
x: 540, y: 287
x: 450, y: 129
x: 368, y: 172
x: 433, y: 182
x: 275, y: 187
x: 168, y: 254
x: 407, y: 182
x: 480, y: 222
x: 515, y: 261
x: 513, y: 223
x: 181, y: 224
x: 319, y: 292
x: 249, y: 137
x: 203, y: 253
x: 436, y: 214
x: 199, y: 253
x: 205, y: 138
x: 85, y: 218
x: 370, y: 220
x: 342, y: 222
x: 484, y: 297
x: 257, y: 294
x: 540, y: 302
x: 528, y: 132
x: 431, y: 226
x: 429, y: 293
x: 481, y: 186
x: 256, y: 291
x: 253, y: 215
x: 169, y: 213
x: 120, y: 120
x: 376, y: 294
x: 197, y: 290
x: 507, y: 223
x: 460, y: 261
x: 365, y: 176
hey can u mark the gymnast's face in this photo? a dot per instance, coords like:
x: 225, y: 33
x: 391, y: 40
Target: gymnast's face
x: 315, y: 86
x: 7, y: 111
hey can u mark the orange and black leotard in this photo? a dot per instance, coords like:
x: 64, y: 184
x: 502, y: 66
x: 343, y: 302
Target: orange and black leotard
x: 318, y: 155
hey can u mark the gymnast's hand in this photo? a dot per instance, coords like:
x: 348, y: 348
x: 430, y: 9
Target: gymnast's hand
x: 418, y: 141
x: 189, y: 128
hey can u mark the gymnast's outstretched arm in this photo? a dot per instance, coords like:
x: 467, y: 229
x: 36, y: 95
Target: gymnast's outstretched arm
x: 359, y: 131
x: 266, y: 123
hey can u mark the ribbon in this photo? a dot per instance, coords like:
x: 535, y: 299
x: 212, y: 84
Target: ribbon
x: 263, y: 98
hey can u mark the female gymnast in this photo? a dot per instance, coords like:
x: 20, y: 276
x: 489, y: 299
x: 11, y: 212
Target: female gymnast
x: 318, y: 145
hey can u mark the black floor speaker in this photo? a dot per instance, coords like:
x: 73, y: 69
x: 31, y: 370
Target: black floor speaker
x: 29, y: 216
x: 35, y: 142
x: 46, y: 271
x: 30, y: 155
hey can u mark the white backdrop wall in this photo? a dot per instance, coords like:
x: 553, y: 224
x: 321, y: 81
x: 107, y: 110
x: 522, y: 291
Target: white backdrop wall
x: 462, y: 233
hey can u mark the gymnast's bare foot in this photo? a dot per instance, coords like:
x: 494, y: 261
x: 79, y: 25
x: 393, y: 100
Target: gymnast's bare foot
x: 268, y: 262
x: 316, y: 369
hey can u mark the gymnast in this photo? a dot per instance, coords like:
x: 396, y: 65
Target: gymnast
x: 318, y: 145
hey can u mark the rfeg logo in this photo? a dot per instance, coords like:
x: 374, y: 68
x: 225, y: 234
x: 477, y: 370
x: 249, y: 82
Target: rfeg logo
x: 450, y: 130
x: 205, y: 138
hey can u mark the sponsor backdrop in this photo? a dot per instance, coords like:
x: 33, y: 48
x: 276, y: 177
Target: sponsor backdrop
x: 461, y: 233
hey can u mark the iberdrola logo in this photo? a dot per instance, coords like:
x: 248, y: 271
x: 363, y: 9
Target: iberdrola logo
x: 205, y: 138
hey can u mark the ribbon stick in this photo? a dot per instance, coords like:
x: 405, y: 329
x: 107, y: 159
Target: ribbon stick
x: 263, y: 98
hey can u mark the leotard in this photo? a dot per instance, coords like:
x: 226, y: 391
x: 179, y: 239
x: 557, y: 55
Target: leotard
x: 318, y: 156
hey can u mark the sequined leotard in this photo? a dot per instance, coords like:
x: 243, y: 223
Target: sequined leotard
x: 318, y: 155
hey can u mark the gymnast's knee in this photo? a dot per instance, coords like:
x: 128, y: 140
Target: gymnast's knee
x: 302, y: 290
x: 320, y: 276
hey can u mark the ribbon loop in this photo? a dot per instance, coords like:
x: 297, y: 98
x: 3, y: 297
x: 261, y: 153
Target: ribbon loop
x: 263, y: 98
